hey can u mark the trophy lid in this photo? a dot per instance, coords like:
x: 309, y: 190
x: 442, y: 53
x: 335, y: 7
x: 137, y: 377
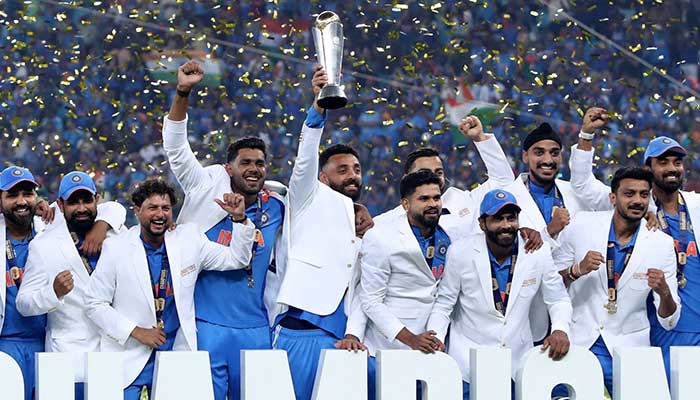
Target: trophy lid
x: 326, y: 18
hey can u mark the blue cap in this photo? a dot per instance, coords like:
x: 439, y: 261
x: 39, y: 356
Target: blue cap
x: 73, y: 181
x: 661, y: 145
x: 495, y: 200
x: 11, y: 176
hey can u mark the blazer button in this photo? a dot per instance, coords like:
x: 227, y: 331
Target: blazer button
x: 349, y: 265
x: 600, y: 327
x: 352, y: 241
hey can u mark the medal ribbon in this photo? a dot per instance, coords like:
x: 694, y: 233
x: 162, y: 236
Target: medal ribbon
x: 610, y: 266
x: 84, y: 259
x: 257, y: 221
x: 160, y: 288
x: 501, y: 301
x: 683, y: 239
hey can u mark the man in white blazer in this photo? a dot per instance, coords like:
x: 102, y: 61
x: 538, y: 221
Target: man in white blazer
x: 402, y: 262
x: 57, y: 271
x: 225, y: 326
x: 611, y: 262
x: 677, y: 211
x: 322, y: 226
x: 141, y: 296
x: 488, y: 288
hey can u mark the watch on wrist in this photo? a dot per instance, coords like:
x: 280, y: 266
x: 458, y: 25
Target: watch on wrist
x: 238, y: 221
x: 183, y: 93
x: 586, y: 136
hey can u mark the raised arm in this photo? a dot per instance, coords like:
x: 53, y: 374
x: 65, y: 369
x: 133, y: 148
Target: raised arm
x: 304, y: 180
x: 590, y: 191
x: 187, y: 169
x: 500, y: 173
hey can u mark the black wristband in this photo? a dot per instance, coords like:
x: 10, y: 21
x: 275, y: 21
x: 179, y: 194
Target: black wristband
x: 240, y: 221
x: 182, y: 93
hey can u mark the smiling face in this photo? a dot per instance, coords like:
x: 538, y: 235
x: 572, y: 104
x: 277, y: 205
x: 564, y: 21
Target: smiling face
x: 80, y: 210
x: 247, y: 171
x: 343, y: 174
x: 424, y: 206
x: 668, y: 172
x: 543, y: 159
x: 155, y: 215
x: 19, y: 204
x: 501, y: 228
x: 631, y: 199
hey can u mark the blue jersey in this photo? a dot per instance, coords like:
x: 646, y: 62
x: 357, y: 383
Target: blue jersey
x: 92, y: 260
x: 17, y: 326
x: 157, y: 257
x: 435, y: 257
x: 690, y: 294
x: 545, y: 200
x: 502, y: 271
x: 224, y: 297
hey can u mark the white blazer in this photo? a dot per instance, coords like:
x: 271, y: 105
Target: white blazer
x: 68, y: 329
x: 120, y: 298
x: 204, y: 184
x: 319, y: 227
x: 397, y: 285
x: 39, y: 226
x: 589, y: 294
x: 463, y: 205
x: 465, y: 298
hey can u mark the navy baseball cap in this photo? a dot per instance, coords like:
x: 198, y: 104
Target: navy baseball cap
x: 11, y: 176
x: 74, y: 181
x: 495, y: 200
x: 661, y: 145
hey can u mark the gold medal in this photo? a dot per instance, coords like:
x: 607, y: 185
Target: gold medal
x: 14, y: 273
x: 161, y: 324
x: 430, y: 252
x: 611, y: 307
x: 160, y: 304
x: 682, y: 281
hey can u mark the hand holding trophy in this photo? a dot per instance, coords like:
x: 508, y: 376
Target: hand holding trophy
x: 328, y: 38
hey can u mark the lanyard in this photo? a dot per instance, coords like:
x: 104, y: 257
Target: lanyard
x: 86, y: 263
x: 501, y: 302
x: 257, y: 221
x: 612, y: 282
x: 558, y: 199
x: 160, y: 288
x: 15, y: 270
x: 683, y: 239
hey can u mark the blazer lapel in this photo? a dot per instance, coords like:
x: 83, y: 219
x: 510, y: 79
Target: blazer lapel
x: 140, y: 266
x: 482, y: 264
x: 411, y: 243
x: 70, y: 253
x: 173, y: 251
x: 637, y: 255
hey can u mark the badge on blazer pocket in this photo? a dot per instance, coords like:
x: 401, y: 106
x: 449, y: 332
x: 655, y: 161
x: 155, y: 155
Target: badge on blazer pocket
x: 639, y: 281
x: 189, y: 275
x: 528, y: 288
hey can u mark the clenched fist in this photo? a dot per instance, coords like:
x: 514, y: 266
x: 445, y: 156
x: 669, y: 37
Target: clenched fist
x: 591, y: 262
x: 560, y: 219
x: 657, y: 282
x: 63, y: 283
x: 595, y: 118
x: 471, y: 128
x: 233, y: 204
x: 188, y: 75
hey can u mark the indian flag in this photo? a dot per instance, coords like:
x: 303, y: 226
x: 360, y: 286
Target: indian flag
x: 163, y: 65
x: 459, y: 103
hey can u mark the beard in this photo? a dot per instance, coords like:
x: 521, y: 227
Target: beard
x: 632, y: 218
x: 160, y: 229
x: 502, y: 241
x: 24, y: 221
x: 81, y: 226
x: 240, y: 185
x: 541, y: 179
x: 669, y: 187
x: 351, y: 192
x: 425, y: 220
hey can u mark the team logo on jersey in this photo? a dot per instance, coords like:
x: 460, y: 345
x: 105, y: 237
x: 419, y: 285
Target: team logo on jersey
x: 265, y: 217
x: 442, y: 249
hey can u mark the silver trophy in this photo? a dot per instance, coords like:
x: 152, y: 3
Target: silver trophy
x: 328, y: 38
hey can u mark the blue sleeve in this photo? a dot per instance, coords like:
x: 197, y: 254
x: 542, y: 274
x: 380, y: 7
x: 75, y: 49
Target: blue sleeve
x: 314, y: 119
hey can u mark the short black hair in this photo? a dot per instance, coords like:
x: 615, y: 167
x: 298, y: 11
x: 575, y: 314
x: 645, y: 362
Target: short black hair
x: 410, y: 182
x: 149, y: 187
x: 249, y: 142
x: 637, y: 173
x: 416, y: 154
x: 333, y: 151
